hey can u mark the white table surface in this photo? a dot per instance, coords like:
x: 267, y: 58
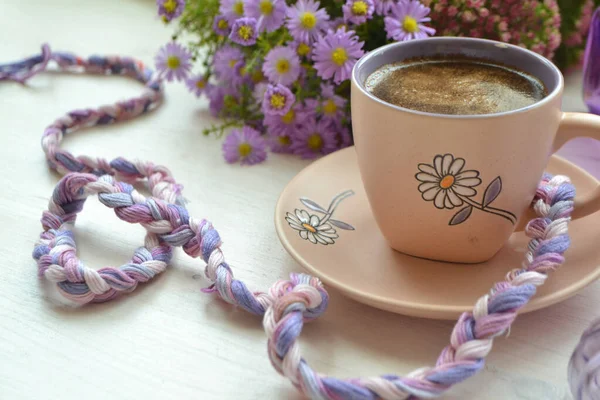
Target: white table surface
x: 168, y: 340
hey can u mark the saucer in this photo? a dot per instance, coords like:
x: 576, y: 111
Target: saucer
x: 349, y: 253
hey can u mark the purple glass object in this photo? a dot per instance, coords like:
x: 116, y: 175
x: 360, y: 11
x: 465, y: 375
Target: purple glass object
x: 591, y: 66
x: 584, y: 366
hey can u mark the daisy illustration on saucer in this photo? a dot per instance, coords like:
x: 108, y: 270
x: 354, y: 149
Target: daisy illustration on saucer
x: 318, y: 229
x: 448, y: 185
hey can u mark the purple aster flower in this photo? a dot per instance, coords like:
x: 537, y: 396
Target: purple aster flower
x: 278, y: 100
x: 289, y: 123
x: 216, y: 95
x: 173, y: 60
x: 335, y: 54
x: 306, y: 20
x: 344, y: 136
x: 232, y: 10
x: 170, y: 9
x: 221, y: 26
x: 338, y: 23
x: 241, y: 75
x: 244, y: 145
x: 243, y: 31
x: 282, y: 65
x: 358, y: 11
x: 197, y: 84
x: 269, y: 13
x: 221, y: 98
x: 302, y: 49
x: 280, y: 143
x: 406, y: 21
x: 225, y: 62
x: 383, y: 7
x: 331, y: 106
x: 315, y: 139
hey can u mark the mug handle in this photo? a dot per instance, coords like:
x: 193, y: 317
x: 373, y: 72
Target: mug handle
x: 571, y: 126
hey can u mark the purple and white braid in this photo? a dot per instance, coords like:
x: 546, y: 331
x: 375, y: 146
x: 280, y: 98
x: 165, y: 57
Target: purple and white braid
x: 287, y: 304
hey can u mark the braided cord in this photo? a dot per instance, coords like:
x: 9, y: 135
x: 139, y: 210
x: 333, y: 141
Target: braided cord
x: 472, y: 337
x: 288, y: 304
x: 55, y: 251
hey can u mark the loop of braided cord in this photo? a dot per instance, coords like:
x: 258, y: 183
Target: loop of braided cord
x: 55, y: 251
x: 473, y: 334
x: 288, y: 304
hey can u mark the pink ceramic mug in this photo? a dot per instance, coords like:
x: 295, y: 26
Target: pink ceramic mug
x: 453, y: 187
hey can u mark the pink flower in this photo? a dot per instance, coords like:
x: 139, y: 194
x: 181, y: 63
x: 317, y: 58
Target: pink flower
x: 468, y: 16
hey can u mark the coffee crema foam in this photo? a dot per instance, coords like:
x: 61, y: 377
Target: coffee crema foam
x: 451, y: 85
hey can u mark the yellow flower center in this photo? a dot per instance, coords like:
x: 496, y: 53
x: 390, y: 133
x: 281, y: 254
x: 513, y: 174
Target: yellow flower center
x: 266, y: 7
x: 200, y: 84
x: 315, y: 142
x: 339, y: 56
x: 410, y: 25
x: 244, y: 149
x: 173, y: 62
x: 342, y: 26
x: 232, y: 63
x: 245, y: 32
x: 277, y: 100
x: 282, y: 66
x: 288, y: 118
x: 170, y: 6
x: 257, y: 76
x: 222, y: 24
x: 309, y: 227
x: 329, y: 107
x: 238, y: 8
x: 243, y: 71
x: 303, y: 49
x: 359, y: 8
x: 308, y: 20
x: 447, y: 182
x: 284, y: 140
x: 164, y: 19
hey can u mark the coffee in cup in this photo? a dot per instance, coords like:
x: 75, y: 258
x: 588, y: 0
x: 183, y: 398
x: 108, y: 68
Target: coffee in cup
x: 455, y: 85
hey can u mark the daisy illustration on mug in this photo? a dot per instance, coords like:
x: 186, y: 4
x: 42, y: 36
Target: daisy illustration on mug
x: 448, y: 185
x: 318, y: 229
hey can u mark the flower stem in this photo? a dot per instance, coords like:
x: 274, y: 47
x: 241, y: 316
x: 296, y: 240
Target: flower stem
x: 334, y: 203
x: 505, y: 214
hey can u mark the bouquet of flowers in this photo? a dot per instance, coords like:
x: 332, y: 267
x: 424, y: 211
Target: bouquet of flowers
x: 576, y: 16
x: 278, y: 70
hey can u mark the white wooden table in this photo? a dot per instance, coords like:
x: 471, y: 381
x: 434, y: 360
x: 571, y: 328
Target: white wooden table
x: 168, y: 340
